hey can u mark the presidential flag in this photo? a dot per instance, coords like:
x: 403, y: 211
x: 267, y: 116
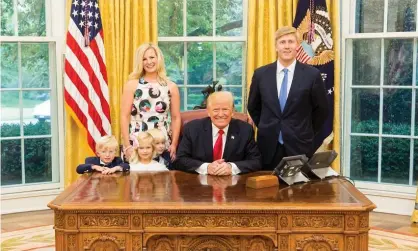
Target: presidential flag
x: 316, y: 48
x: 86, y: 90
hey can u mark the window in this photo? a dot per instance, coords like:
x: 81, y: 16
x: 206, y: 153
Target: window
x: 204, y: 41
x: 381, y: 126
x: 29, y: 72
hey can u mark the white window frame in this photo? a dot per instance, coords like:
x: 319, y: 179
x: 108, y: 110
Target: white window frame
x: 186, y: 39
x: 375, y: 190
x: 55, y: 35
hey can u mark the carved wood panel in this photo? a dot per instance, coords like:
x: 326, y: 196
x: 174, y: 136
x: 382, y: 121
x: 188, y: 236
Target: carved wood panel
x: 210, y: 221
x: 317, y: 242
x: 209, y: 242
x: 103, y: 241
x: 317, y: 221
x: 104, y: 221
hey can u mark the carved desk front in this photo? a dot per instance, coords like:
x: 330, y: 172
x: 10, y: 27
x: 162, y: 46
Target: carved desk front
x: 180, y: 211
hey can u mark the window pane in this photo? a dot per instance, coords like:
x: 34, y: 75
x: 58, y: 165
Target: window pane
x: 31, y: 17
x: 398, y: 61
x: 397, y: 111
x: 7, y: 23
x: 200, y: 63
x: 11, y: 162
x: 366, y: 69
x: 395, y: 160
x: 35, y: 65
x: 369, y: 16
x: 199, y: 17
x: 229, y: 17
x: 36, y: 113
x: 401, y: 15
x: 364, y: 158
x: 415, y: 164
x: 10, y: 114
x: 194, y: 97
x: 181, y: 90
x: 416, y: 113
x: 174, y: 63
x: 365, y: 111
x: 38, y: 166
x: 237, y: 92
x: 9, y: 68
x: 229, y: 63
x: 170, y: 18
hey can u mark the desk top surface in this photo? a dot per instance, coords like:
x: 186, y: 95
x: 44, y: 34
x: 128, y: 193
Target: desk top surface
x: 174, y: 190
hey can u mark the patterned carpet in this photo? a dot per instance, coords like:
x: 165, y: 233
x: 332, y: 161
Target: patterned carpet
x: 42, y: 239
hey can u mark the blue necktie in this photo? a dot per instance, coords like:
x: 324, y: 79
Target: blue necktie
x: 283, y: 97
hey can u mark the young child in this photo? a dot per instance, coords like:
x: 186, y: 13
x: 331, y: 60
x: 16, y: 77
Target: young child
x: 162, y: 155
x: 142, y: 157
x: 106, y: 161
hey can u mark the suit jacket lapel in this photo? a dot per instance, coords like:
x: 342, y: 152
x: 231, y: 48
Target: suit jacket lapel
x: 231, y: 139
x: 208, y: 139
x: 294, y: 88
x: 272, y: 89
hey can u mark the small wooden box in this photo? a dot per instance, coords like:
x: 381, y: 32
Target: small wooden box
x: 262, y: 181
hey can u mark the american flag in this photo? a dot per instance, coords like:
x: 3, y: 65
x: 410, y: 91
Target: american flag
x: 86, y: 89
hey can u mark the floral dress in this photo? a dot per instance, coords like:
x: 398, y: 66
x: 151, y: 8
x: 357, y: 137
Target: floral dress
x: 150, y: 109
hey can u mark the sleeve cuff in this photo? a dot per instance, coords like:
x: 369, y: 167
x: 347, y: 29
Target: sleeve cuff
x: 203, y: 169
x: 235, y: 170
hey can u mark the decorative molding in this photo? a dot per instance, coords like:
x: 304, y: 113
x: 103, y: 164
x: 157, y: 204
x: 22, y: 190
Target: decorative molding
x: 284, y: 243
x: 351, y: 222
x: 136, y: 221
x: 89, y: 241
x: 136, y: 243
x: 283, y: 222
x: 104, y: 221
x: 351, y: 243
x: 71, y: 239
x: 364, y: 221
x: 317, y: 243
x: 209, y: 221
x: 59, y: 219
x: 71, y: 221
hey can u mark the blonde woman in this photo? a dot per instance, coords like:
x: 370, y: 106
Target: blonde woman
x: 150, y: 100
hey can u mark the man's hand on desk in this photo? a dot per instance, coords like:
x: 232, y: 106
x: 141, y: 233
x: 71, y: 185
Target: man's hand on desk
x: 219, y: 167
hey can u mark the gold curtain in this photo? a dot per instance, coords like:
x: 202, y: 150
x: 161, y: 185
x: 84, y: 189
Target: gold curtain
x: 264, y: 18
x: 126, y: 25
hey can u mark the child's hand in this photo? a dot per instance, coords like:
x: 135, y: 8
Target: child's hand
x: 98, y: 168
x: 112, y: 170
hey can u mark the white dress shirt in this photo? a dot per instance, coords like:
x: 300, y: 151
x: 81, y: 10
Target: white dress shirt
x: 203, y: 169
x: 280, y: 76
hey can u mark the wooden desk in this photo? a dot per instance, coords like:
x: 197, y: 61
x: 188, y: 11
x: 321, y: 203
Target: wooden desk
x: 174, y: 211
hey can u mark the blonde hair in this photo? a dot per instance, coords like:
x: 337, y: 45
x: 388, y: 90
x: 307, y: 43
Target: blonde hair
x: 142, y: 137
x: 221, y: 94
x: 285, y: 30
x: 138, y: 71
x: 107, y: 141
x: 157, y: 134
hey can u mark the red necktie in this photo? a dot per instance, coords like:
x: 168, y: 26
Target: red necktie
x: 217, y: 148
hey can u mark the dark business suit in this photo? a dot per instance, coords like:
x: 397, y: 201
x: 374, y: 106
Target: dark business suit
x: 90, y: 161
x: 304, y: 114
x: 196, y: 146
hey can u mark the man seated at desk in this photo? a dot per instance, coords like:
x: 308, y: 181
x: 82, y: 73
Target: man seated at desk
x: 218, y: 145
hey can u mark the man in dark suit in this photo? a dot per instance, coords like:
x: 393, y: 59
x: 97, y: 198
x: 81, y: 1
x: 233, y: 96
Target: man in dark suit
x: 287, y: 102
x: 218, y: 145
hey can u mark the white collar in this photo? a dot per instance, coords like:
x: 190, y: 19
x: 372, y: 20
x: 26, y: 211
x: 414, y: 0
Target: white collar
x: 290, y: 68
x: 215, y: 130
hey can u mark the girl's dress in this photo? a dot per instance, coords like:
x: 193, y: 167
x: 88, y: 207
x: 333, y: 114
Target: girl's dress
x: 153, y: 166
